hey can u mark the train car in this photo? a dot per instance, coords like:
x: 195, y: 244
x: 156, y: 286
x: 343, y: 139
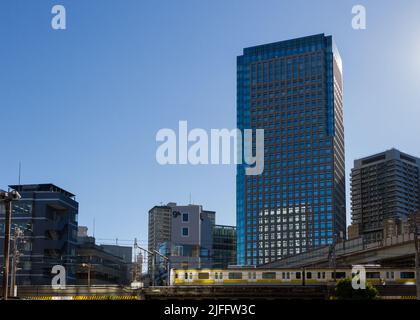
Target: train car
x: 307, y: 276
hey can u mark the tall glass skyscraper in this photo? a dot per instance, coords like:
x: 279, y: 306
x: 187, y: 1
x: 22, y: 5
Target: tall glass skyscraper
x: 293, y: 90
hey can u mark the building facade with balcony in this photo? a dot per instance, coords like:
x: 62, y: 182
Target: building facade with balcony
x: 48, y: 217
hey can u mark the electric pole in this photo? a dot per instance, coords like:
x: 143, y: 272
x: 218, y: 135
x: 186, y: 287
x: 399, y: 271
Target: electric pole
x: 7, y: 198
x: 167, y: 265
x: 414, y: 223
x: 152, y: 255
x: 18, y: 234
x: 6, y: 249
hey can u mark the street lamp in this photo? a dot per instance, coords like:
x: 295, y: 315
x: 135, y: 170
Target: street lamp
x: 89, y: 267
x: 7, y: 198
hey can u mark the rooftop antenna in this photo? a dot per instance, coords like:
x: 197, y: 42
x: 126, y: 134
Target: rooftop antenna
x: 20, y: 170
x: 94, y: 227
x: 190, y: 199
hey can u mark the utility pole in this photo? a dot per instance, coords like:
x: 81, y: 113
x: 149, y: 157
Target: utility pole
x: 153, y: 269
x: 332, y: 257
x: 167, y: 265
x: 416, y: 246
x: 414, y: 223
x: 6, y: 249
x: 332, y: 262
x: 152, y: 254
x: 16, y: 236
x: 7, y: 198
x: 89, y: 268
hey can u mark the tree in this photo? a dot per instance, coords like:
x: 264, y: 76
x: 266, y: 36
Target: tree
x: 345, y: 291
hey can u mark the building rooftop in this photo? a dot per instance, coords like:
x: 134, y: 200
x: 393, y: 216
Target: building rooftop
x: 284, y: 44
x: 43, y: 187
x: 386, y: 155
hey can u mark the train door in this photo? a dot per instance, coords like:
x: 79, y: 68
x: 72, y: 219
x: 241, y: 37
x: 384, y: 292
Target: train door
x: 188, y: 277
x: 390, y: 276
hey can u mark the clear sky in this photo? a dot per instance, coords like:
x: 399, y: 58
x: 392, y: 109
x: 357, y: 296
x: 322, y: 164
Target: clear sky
x: 81, y: 107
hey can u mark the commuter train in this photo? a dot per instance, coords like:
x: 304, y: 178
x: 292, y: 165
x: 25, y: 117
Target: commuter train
x: 307, y: 276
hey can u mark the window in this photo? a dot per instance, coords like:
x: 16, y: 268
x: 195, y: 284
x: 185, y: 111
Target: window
x: 407, y: 275
x: 235, y: 275
x: 373, y: 275
x: 185, y: 232
x: 269, y: 275
x: 185, y: 217
x: 203, y: 275
x: 340, y: 275
x: 297, y: 275
x: 309, y: 275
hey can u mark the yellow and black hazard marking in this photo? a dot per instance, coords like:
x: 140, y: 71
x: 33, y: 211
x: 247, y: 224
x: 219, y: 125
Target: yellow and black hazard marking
x: 105, y: 298
x: 84, y: 298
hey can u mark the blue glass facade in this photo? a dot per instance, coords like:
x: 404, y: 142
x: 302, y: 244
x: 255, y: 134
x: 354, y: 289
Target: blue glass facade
x: 293, y: 90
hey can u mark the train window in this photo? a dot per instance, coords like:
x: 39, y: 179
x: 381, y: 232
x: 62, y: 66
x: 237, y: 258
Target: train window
x: 339, y: 275
x: 407, y: 275
x: 221, y: 275
x: 373, y: 275
x: 190, y: 275
x: 176, y: 275
x: 216, y: 275
x: 283, y: 275
x: 390, y: 275
x: 268, y: 275
x: 235, y: 275
x: 297, y: 275
x: 203, y: 275
x: 288, y: 275
x: 323, y: 275
x: 319, y: 275
x: 185, y: 275
x: 309, y: 275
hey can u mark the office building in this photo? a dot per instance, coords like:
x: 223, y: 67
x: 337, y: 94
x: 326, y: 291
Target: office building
x: 384, y: 190
x: 194, y: 240
x: 224, y: 246
x: 294, y: 91
x: 160, y: 218
x: 190, y: 242
x: 47, y: 216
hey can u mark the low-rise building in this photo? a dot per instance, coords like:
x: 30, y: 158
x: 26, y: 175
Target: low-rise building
x: 102, y: 264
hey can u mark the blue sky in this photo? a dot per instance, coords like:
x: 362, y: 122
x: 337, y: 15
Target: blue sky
x: 81, y: 107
